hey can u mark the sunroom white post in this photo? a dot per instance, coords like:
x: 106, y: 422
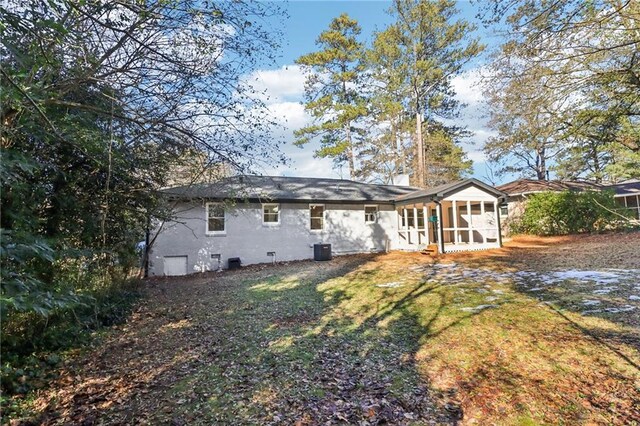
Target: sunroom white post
x: 484, y: 221
x: 455, y: 222
x: 406, y: 225
x: 415, y: 224
x: 470, y: 222
x: 439, y: 230
x: 425, y: 222
x: 497, y: 217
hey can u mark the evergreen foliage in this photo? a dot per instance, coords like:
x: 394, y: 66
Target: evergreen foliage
x: 569, y: 212
x: 333, y: 92
x: 380, y: 108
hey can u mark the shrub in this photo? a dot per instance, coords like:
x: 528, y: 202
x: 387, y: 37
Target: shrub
x: 568, y: 212
x: 41, y: 319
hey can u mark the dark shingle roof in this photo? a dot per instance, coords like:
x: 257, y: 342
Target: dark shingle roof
x: 529, y: 186
x: 631, y: 187
x: 292, y: 189
x: 446, y: 189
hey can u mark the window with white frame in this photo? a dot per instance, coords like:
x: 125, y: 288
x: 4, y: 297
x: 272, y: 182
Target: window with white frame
x: 271, y: 214
x: 420, y: 219
x: 316, y: 214
x: 370, y: 214
x: 215, y: 218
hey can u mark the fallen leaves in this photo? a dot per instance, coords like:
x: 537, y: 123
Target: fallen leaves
x: 321, y: 343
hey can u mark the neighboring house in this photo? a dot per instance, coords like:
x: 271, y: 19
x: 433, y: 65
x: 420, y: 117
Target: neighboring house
x: 625, y: 193
x: 267, y: 219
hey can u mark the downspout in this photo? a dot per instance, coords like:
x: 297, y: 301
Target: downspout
x: 497, y: 213
x: 440, y: 230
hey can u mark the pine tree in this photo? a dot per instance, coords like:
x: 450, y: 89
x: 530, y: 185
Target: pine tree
x: 333, y: 92
x: 433, y: 50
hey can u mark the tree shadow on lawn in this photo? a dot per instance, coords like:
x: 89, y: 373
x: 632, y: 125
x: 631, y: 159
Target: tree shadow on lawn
x: 616, y: 302
x: 309, y: 344
x: 593, y: 354
x: 327, y: 355
x: 375, y: 344
x: 272, y: 350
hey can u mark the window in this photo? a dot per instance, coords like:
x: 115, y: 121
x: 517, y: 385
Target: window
x: 270, y: 214
x: 504, y: 210
x: 370, y: 214
x: 215, y: 218
x: 420, y: 219
x: 409, y: 222
x: 316, y: 213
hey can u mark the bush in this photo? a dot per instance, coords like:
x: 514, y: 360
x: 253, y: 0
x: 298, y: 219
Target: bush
x: 568, y: 212
x: 44, y: 319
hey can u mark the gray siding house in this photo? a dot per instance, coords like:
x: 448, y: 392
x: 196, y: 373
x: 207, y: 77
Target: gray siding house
x: 262, y: 219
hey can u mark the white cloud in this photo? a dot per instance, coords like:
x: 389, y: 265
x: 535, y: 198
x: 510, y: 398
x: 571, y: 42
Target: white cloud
x: 291, y: 114
x: 283, y: 84
x: 302, y: 163
x: 467, y: 87
x: 476, y: 155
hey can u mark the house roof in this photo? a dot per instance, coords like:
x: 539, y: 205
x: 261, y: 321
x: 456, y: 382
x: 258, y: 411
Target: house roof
x: 290, y: 189
x: 631, y: 187
x: 446, y: 189
x: 530, y: 186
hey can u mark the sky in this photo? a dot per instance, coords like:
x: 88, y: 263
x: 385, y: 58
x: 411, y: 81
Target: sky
x: 284, y: 82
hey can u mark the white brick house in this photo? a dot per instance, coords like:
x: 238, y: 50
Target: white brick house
x: 266, y: 219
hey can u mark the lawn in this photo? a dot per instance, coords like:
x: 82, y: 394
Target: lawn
x: 543, y: 331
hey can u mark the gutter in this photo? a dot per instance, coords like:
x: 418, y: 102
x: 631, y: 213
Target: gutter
x: 284, y: 200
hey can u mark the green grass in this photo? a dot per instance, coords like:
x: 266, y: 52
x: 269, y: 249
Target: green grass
x: 302, y: 344
x: 313, y: 344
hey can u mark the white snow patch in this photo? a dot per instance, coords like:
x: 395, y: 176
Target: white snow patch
x: 600, y: 277
x: 394, y: 284
x: 444, y: 265
x: 604, y: 290
x: 625, y: 308
x: 478, y: 308
x: 590, y: 302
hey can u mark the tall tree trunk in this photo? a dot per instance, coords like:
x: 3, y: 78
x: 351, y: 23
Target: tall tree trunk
x: 401, y: 164
x: 597, y: 168
x: 541, y: 169
x: 419, y: 144
x: 352, y: 165
x: 347, y: 128
x: 419, y: 148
